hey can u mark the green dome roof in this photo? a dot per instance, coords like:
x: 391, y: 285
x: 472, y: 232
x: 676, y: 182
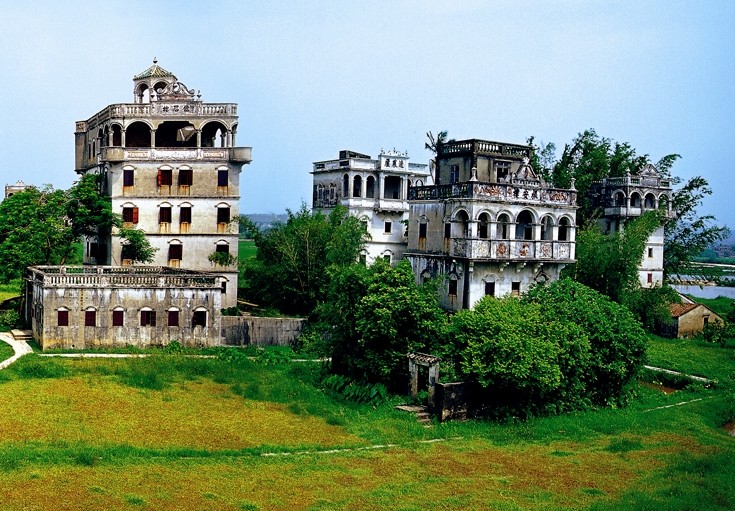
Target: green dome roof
x: 155, y: 71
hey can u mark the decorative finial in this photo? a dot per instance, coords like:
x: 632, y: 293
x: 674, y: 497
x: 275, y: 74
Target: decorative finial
x: 155, y: 60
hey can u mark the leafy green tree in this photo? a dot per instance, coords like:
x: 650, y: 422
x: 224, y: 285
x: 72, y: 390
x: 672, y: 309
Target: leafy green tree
x: 372, y: 317
x: 34, y: 230
x: 689, y: 234
x: 609, y: 263
x: 530, y: 363
x: 88, y: 210
x: 136, y: 246
x: 617, y: 340
x: 289, y: 271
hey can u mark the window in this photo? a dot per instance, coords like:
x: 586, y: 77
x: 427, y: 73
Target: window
x: 447, y: 230
x: 173, y: 317
x: 90, y: 318
x: 130, y: 215
x: 223, y: 248
x: 199, y: 318
x: 388, y: 227
x: 422, y: 231
x: 185, y: 176
x: 93, y: 250
x: 222, y: 178
x: 223, y: 215
x: 363, y: 259
x: 357, y: 187
x: 386, y: 258
x: 502, y: 169
x: 489, y: 288
x: 482, y: 228
x: 164, y: 215
x: 705, y: 321
x: 650, y: 252
x: 128, y: 177
x: 164, y: 177
x: 452, y: 287
x: 454, y: 174
x: 223, y: 287
x: 515, y: 288
x: 147, y: 318
x: 175, y: 252
x: 650, y: 278
x: 62, y: 317
x: 563, y: 233
x: 118, y: 317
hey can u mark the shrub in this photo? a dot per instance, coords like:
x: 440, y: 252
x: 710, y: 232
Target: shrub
x: 529, y: 363
x: 617, y: 341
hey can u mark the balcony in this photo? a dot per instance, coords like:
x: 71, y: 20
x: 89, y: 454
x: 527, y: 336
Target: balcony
x: 520, y: 191
x: 511, y: 250
x: 224, y: 154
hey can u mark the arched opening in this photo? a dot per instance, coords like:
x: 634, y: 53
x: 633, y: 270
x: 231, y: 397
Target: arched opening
x: 214, y: 134
x: 547, y: 226
x: 564, y: 227
x: 345, y: 186
x: 117, y: 135
x: 619, y: 199
x: 503, y: 230
x: 138, y: 134
x: 370, y: 187
x: 176, y: 134
x: 462, y: 223
x: 142, y: 94
x: 635, y: 200
x: 393, y: 186
x: 649, y: 202
x: 106, y: 137
x: 484, y: 222
x: 524, y: 225
x: 357, y: 187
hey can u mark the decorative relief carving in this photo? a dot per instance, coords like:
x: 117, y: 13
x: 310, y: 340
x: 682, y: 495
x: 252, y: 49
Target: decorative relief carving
x: 502, y: 250
x: 525, y: 248
x: 546, y: 250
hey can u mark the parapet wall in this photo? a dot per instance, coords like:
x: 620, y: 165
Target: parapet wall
x: 257, y: 331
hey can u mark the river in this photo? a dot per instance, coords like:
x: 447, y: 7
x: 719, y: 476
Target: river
x: 707, y: 291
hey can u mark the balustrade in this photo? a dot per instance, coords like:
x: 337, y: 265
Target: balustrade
x: 516, y: 191
x: 472, y: 248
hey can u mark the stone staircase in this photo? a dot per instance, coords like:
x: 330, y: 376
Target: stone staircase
x: 421, y: 412
x: 22, y: 335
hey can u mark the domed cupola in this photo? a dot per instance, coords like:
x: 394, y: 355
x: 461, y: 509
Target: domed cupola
x: 155, y: 83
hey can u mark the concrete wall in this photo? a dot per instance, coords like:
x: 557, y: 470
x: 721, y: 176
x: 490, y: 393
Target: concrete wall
x: 251, y: 330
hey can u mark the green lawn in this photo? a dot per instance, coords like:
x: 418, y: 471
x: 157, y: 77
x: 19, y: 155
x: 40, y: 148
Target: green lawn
x: 247, y: 250
x: 234, y: 434
x: 6, y: 351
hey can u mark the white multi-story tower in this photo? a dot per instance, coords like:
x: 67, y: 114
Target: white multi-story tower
x: 373, y: 190
x: 623, y: 199
x: 172, y: 170
x: 490, y: 225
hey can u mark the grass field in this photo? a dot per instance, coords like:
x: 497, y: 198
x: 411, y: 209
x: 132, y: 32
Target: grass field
x: 168, y: 432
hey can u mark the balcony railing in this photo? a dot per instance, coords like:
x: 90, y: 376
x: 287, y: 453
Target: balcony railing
x: 118, y: 154
x: 131, y: 276
x: 543, y: 250
x: 648, y: 181
x: 485, y: 147
x: 164, y: 109
x: 517, y: 191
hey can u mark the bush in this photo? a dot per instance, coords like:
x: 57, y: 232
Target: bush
x: 617, y: 341
x: 529, y: 363
x: 9, y: 319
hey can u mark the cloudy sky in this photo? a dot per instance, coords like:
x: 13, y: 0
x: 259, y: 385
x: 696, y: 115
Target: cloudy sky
x: 313, y: 77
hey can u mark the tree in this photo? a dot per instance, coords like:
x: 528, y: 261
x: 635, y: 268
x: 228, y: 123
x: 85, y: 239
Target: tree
x: 689, y: 234
x: 434, y: 144
x: 34, y: 230
x: 136, y: 246
x: 372, y: 317
x: 609, y: 263
x: 529, y: 362
x: 590, y: 158
x: 289, y: 271
x: 617, y: 341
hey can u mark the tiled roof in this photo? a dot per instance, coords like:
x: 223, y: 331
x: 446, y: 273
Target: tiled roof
x: 155, y: 71
x: 679, y: 309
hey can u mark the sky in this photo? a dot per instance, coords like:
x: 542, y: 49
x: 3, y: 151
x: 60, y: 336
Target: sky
x: 314, y: 77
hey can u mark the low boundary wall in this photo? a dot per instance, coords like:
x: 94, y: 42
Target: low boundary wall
x: 258, y: 331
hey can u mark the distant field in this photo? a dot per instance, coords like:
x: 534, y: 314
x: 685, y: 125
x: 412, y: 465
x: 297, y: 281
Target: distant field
x: 171, y: 433
x: 247, y: 249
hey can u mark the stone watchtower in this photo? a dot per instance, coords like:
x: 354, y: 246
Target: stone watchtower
x: 172, y: 170
x: 623, y: 199
x: 490, y: 225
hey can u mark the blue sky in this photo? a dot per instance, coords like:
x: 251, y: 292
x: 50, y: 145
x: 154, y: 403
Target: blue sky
x: 315, y: 77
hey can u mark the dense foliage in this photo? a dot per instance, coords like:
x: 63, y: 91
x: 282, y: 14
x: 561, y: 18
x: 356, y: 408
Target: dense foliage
x: 374, y: 316
x: 289, y: 271
x: 617, y: 341
x: 42, y: 226
x: 529, y: 362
